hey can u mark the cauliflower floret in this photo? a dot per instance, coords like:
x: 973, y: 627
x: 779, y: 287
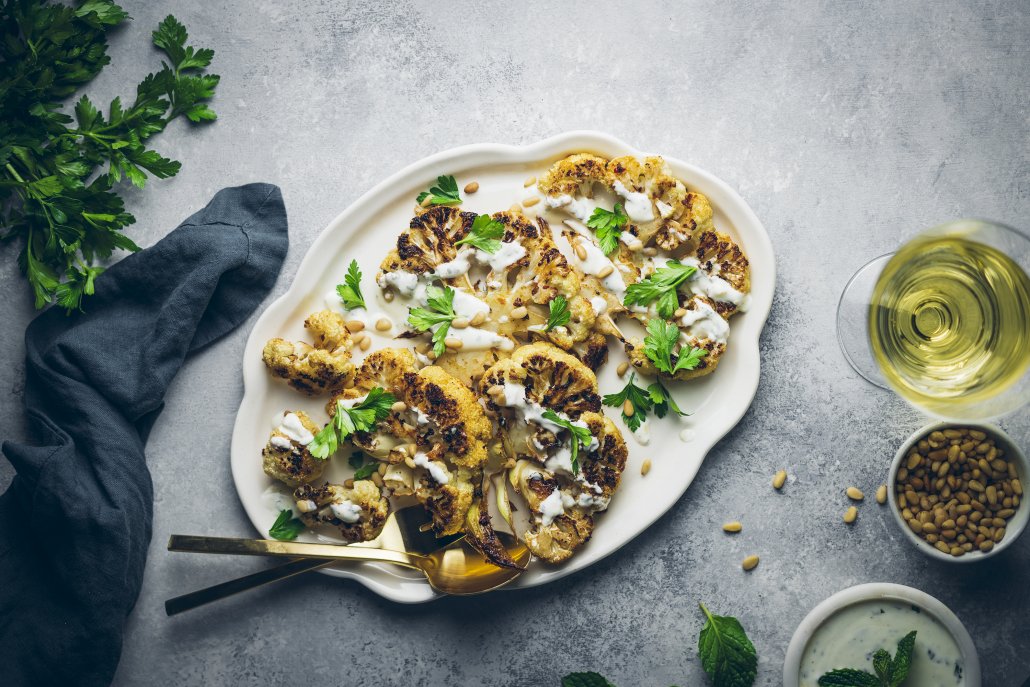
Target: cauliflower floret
x: 439, y: 433
x: 575, y: 175
x: 720, y: 258
x: 429, y: 242
x: 286, y: 458
x: 359, y: 512
x: 325, y: 367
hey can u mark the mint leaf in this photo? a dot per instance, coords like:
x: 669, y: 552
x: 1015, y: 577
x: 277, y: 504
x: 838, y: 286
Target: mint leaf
x: 848, y: 677
x: 286, y: 527
x: 882, y: 665
x: 727, y: 655
x: 902, y: 659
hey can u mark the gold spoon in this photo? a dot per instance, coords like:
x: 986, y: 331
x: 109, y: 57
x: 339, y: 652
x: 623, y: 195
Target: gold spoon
x: 457, y: 569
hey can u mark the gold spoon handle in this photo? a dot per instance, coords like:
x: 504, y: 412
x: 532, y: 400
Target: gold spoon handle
x: 200, y: 597
x: 289, y: 549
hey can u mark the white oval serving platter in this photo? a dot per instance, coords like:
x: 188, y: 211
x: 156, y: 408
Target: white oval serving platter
x: 367, y: 229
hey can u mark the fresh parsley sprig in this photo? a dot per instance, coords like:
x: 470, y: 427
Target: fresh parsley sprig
x: 362, y: 470
x: 727, y: 655
x: 57, y: 174
x: 485, y: 234
x: 361, y: 418
x: 286, y: 527
x: 889, y: 672
x: 655, y: 398
x: 350, y: 290
x: 660, y: 286
x: 608, y: 225
x: 558, y: 314
x: 579, y: 435
x: 444, y: 193
x: 662, y: 337
x: 439, y: 310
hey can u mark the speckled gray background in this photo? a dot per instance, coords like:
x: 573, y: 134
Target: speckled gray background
x: 846, y: 126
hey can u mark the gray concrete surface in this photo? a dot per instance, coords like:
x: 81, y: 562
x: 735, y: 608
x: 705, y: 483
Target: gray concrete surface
x: 846, y: 126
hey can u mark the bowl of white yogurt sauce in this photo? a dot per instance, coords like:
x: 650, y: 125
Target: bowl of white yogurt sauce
x: 845, y: 630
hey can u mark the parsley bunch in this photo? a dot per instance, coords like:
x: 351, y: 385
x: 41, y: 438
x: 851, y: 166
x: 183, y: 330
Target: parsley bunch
x: 361, y: 418
x: 58, y: 173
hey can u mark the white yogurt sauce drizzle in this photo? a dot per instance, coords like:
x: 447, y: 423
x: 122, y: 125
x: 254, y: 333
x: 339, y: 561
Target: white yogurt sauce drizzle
x: 638, y: 205
x: 596, y: 261
x: 703, y: 322
x: 436, y: 470
x: 599, y: 304
x: 551, y: 507
x: 293, y: 428
x: 580, y: 208
x: 347, y: 511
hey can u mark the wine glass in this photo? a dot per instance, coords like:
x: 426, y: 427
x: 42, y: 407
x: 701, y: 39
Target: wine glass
x: 945, y: 321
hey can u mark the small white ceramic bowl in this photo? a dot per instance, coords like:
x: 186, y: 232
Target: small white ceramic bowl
x: 1015, y: 525
x: 872, y: 592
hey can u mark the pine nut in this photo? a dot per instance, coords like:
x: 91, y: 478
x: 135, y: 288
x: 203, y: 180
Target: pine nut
x: 358, y: 338
x: 528, y: 182
x: 478, y: 319
x: 354, y: 326
x: 388, y: 296
x: 645, y: 467
x: 650, y: 251
x: 581, y: 252
x: 383, y: 324
x: 778, y: 479
x: 732, y: 527
x: 851, y: 514
x: 520, y: 313
x: 410, y: 462
x: 680, y: 312
x: 1017, y: 486
x: 453, y: 342
x: 495, y: 390
x: 472, y: 187
x: 749, y: 563
x: 460, y: 322
x: 348, y: 483
x: 531, y: 201
x: 605, y: 271
x: 621, y: 369
x: 855, y: 494
x: 365, y: 344
x: 377, y: 479
x: 881, y: 494
x: 627, y: 408
x: 399, y: 407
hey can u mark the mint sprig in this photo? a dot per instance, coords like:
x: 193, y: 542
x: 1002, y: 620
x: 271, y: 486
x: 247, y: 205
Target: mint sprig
x: 889, y: 672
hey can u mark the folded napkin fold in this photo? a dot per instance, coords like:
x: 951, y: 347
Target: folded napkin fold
x: 76, y: 521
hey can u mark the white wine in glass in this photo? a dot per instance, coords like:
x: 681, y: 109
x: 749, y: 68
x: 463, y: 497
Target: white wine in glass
x: 948, y: 320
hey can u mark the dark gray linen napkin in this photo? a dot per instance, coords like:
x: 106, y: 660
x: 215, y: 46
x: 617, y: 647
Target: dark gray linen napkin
x: 76, y: 521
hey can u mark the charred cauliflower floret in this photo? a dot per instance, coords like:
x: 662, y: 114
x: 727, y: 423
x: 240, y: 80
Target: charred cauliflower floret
x: 359, y: 513
x: 574, y: 176
x: 724, y: 273
x: 561, y: 508
x: 437, y: 430
x: 604, y: 276
x: 325, y: 366
x: 286, y: 456
x: 430, y: 241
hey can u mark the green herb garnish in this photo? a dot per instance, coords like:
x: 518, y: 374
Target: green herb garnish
x: 889, y: 673
x: 485, y: 234
x: 661, y: 338
x: 608, y: 226
x: 361, y: 418
x: 362, y: 470
x: 580, y: 435
x: 57, y: 174
x: 660, y: 286
x: 350, y: 290
x: 727, y: 655
x: 638, y: 396
x: 439, y: 311
x: 444, y: 193
x: 286, y: 527
x: 558, y: 313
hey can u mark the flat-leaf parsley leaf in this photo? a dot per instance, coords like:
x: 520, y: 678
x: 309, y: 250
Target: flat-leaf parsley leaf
x: 362, y: 417
x: 444, y: 193
x: 286, y: 527
x: 439, y: 310
x: 558, y: 313
x: 350, y: 290
x: 660, y: 286
x: 608, y: 226
x: 485, y: 234
x: 662, y: 337
x: 580, y: 435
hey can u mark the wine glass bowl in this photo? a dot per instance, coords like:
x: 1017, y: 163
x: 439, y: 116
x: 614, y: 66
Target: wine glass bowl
x: 946, y: 321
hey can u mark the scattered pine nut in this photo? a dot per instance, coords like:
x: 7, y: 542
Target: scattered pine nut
x: 354, y: 326
x: 399, y: 407
x: 528, y: 182
x: 472, y: 187
x: 778, y: 479
x: 519, y: 313
x: 855, y: 494
x: 732, y: 527
x: 650, y: 251
x: 365, y: 344
x: 581, y: 252
x: 478, y: 319
x: 605, y: 271
x: 531, y: 201
x: 388, y: 296
x: 881, y: 494
x: 460, y: 322
x: 680, y: 312
x: 621, y: 369
x: 851, y: 514
x: 515, y: 208
x: 750, y: 563
x: 453, y: 342
x: 627, y: 408
x: 383, y: 324
x: 645, y: 467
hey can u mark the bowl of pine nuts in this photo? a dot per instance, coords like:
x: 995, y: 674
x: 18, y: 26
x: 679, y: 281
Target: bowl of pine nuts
x: 956, y: 491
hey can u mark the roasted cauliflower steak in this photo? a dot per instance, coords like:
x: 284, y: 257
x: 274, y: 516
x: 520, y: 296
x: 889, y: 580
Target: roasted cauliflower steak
x: 324, y: 366
x: 286, y: 456
x: 358, y: 512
